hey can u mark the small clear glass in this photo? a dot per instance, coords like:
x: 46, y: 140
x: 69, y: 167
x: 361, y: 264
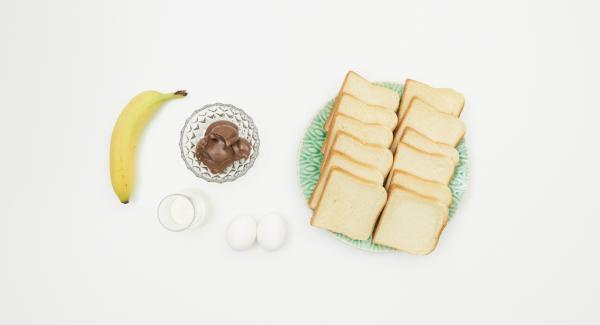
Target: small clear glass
x: 182, y: 211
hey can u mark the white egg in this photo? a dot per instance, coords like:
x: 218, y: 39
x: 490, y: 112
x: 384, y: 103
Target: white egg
x: 241, y: 232
x: 271, y: 232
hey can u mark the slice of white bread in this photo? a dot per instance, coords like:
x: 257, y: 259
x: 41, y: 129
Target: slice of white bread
x: 349, y: 205
x: 445, y: 100
x: 410, y: 222
x: 375, y: 156
x: 439, y: 192
x: 366, y: 92
x: 368, y: 133
x: 439, y: 127
x: 338, y: 159
x: 423, y: 143
x: 351, y: 106
x: 435, y: 168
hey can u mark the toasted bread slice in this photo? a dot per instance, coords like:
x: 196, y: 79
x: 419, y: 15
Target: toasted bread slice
x: 338, y: 159
x: 368, y: 133
x: 349, y: 205
x: 439, y: 192
x: 423, y: 143
x: 410, y: 222
x: 353, y: 107
x: 375, y: 156
x: 435, y: 168
x: 445, y: 100
x: 366, y: 92
x: 439, y: 127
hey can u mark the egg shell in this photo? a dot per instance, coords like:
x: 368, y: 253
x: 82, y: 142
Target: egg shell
x: 241, y: 232
x: 271, y: 232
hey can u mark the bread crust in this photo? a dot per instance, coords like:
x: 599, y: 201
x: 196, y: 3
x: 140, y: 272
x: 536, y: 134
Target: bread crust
x: 389, y: 178
x: 402, y: 99
x: 423, y: 135
x: 334, y: 109
x: 328, y: 137
x: 335, y: 170
x: 336, y: 103
x: 397, y: 137
x: 419, y: 196
x: 404, y: 92
x: 398, y: 171
x: 311, y: 202
x: 372, y: 146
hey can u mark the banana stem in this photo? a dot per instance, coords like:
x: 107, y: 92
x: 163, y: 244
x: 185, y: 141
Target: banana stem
x: 182, y: 93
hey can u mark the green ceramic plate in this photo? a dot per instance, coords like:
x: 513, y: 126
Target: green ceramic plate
x: 311, y: 157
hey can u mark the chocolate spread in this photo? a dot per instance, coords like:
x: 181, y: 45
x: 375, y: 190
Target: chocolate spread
x: 221, y: 146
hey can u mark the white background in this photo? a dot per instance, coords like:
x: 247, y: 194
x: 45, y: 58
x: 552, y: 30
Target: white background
x: 523, y: 248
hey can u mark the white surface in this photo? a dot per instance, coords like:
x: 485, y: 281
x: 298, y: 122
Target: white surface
x: 524, y: 248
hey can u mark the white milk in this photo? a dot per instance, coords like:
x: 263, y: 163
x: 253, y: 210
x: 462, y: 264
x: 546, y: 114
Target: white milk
x: 183, y: 210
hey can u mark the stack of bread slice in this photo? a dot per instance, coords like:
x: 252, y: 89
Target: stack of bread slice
x: 401, y: 202
x: 350, y: 193
x: 424, y: 161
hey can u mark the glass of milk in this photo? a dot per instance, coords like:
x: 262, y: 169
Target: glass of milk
x: 182, y: 211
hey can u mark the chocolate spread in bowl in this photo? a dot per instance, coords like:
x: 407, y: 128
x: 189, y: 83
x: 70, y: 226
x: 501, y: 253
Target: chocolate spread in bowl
x: 221, y: 146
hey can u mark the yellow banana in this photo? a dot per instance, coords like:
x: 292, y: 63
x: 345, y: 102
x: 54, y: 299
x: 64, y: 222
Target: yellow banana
x: 126, y: 134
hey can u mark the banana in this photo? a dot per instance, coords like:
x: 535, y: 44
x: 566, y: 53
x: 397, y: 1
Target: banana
x: 126, y: 134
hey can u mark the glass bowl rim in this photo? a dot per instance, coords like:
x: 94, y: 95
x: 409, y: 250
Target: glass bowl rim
x: 255, y: 147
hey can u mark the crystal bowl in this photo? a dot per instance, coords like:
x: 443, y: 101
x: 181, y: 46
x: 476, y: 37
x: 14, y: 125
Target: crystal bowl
x: 194, y: 129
